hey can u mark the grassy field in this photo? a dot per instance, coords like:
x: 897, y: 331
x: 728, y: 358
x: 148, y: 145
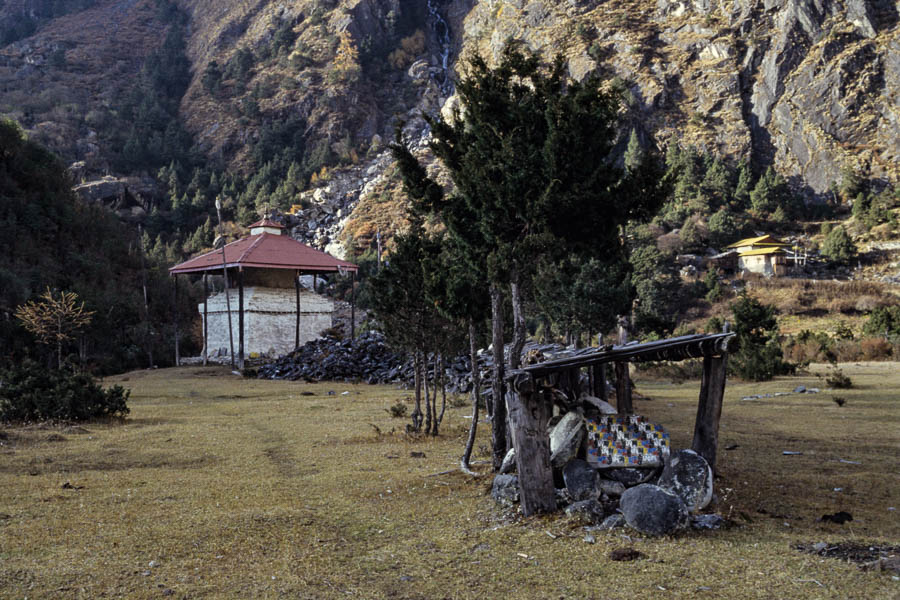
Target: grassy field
x: 218, y: 487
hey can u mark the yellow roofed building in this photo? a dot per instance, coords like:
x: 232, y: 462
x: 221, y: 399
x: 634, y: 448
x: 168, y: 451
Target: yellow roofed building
x: 766, y: 255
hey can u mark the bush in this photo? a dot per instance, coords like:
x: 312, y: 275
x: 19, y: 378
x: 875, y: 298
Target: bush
x: 884, y: 320
x: 30, y: 392
x: 837, y: 380
x: 756, y: 354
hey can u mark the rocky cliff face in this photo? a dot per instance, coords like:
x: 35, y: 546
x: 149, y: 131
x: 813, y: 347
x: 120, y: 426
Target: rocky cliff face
x: 808, y: 85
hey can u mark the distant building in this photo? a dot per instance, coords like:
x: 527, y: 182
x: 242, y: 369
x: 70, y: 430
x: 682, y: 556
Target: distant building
x: 270, y: 312
x: 766, y: 255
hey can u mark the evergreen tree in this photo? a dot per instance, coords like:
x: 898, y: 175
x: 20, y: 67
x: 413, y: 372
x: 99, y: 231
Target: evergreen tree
x: 532, y: 171
x: 755, y: 353
x: 839, y: 246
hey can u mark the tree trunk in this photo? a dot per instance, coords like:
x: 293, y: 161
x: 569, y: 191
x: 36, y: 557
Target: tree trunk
x: 519, y: 330
x: 417, y: 378
x: 498, y: 419
x: 440, y: 418
x: 428, y: 420
x: 476, y: 392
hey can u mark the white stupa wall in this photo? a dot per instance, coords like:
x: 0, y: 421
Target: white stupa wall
x: 269, y: 319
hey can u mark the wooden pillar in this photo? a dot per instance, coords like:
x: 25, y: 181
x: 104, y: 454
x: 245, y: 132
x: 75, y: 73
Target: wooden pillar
x: 598, y: 375
x: 175, y: 316
x: 623, y: 379
x: 528, y: 418
x: 205, y: 320
x: 352, y: 305
x: 240, y: 318
x: 709, y: 409
x: 297, y: 324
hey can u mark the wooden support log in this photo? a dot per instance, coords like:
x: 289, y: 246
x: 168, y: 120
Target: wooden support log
x: 709, y: 409
x: 175, y: 316
x: 205, y: 320
x: 529, y: 415
x: 297, y: 320
x: 623, y: 389
x: 240, y: 318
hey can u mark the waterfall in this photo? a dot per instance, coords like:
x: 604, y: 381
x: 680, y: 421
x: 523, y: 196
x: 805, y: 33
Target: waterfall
x: 442, y: 33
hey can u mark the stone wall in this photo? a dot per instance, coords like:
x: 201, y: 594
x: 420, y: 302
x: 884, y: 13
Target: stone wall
x: 269, y: 319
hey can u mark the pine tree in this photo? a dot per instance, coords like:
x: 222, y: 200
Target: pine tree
x: 532, y: 168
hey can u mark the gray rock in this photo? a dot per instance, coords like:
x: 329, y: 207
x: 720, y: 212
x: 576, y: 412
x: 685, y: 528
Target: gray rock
x: 565, y: 439
x: 800, y: 389
x: 605, y: 408
x: 707, y: 521
x: 509, y: 462
x: 612, y: 522
x: 630, y: 476
x: 688, y: 475
x: 652, y: 510
x: 613, y: 489
x: 505, y: 489
x: 581, y: 480
x: 586, y: 511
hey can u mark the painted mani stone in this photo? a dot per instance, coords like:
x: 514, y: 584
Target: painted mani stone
x: 631, y: 441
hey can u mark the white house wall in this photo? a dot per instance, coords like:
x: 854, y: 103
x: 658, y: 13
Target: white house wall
x: 269, y: 319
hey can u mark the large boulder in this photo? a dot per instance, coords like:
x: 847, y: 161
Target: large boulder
x: 581, y: 480
x: 653, y: 510
x: 688, y: 476
x: 505, y: 489
x: 566, y: 439
x: 509, y: 462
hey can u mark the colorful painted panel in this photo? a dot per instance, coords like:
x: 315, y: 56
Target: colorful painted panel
x: 632, y: 441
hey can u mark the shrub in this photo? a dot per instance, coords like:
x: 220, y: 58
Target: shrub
x: 398, y: 410
x: 757, y: 356
x: 876, y: 349
x: 884, y: 320
x: 837, y: 380
x: 30, y: 392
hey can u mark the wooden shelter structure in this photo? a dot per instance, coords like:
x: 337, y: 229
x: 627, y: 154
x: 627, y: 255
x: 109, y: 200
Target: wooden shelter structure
x: 530, y: 404
x: 268, y: 258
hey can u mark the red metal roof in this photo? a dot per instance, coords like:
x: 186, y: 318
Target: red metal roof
x: 265, y: 251
x: 266, y: 223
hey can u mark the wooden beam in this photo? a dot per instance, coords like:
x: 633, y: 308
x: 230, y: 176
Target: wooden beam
x: 709, y: 409
x: 240, y: 318
x: 297, y: 324
x: 680, y: 348
x: 528, y: 419
x: 205, y: 320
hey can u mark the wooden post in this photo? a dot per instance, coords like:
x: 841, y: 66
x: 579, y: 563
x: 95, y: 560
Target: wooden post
x: 709, y: 409
x: 353, y: 305
x: 297, y: 324
x: 175, y: 314
x: 240, y: 317
x: 528, y: 418
x: 623, y: 381
x: 599, y: 375
x: 205, y: 320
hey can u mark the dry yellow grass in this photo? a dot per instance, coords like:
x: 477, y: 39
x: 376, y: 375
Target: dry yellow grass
x: 248, y: 489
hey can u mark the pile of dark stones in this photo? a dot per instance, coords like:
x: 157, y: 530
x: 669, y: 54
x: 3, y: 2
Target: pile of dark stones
x: 367, y: 358
x: 654, y: 501
x: 370, y: 359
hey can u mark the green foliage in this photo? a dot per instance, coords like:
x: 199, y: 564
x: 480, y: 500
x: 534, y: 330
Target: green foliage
x: 657, y: 285
x: 838, y: 246
x: 212, y: 78
x: 755, y: 353
x: 29, y: 392
x: 884, y: 321
x: 837, y: 380
x: 26, y: 21
x: 62, y: 243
